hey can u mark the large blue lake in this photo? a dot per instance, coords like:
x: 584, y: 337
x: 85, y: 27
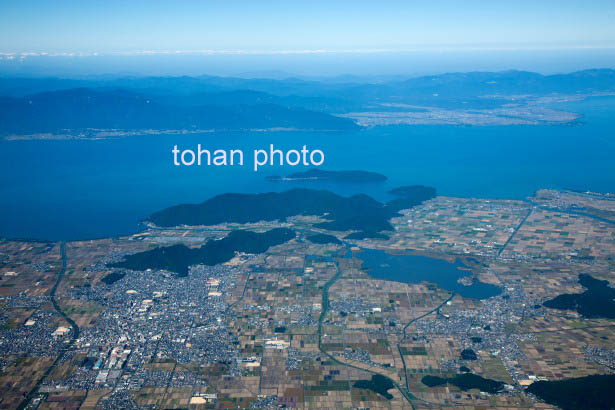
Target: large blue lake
x: 65, y: 190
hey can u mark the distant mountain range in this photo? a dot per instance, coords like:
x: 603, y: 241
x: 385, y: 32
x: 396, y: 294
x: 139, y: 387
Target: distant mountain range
x: 470, y: 83
x: 83, y: 108
x: 54, y: 105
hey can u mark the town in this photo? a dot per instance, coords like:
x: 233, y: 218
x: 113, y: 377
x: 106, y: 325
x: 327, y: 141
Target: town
x: 299, y: 325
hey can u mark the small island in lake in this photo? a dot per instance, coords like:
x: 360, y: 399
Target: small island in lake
x: 335, y: 176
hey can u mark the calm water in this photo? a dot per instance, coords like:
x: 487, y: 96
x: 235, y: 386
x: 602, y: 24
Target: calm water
x: 88, y: 189
x: 416, y: 269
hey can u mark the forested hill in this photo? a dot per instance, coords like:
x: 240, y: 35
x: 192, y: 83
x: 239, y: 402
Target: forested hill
x: 66, y: 111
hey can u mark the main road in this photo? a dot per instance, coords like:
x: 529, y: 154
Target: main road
x: 75, y: 333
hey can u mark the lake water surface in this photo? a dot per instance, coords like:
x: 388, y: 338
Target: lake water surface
x: 418, y: 269
x: 72, y: 189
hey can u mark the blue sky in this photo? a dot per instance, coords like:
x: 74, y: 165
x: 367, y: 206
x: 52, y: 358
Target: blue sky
x: 132, y: 26
x: 309, y: 38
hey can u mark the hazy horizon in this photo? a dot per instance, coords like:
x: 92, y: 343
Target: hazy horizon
x: 221, y: 26
x: 315, y: 39
x: 309, y: 65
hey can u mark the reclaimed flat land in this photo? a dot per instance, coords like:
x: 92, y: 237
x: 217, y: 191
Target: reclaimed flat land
x: 300, y: 324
